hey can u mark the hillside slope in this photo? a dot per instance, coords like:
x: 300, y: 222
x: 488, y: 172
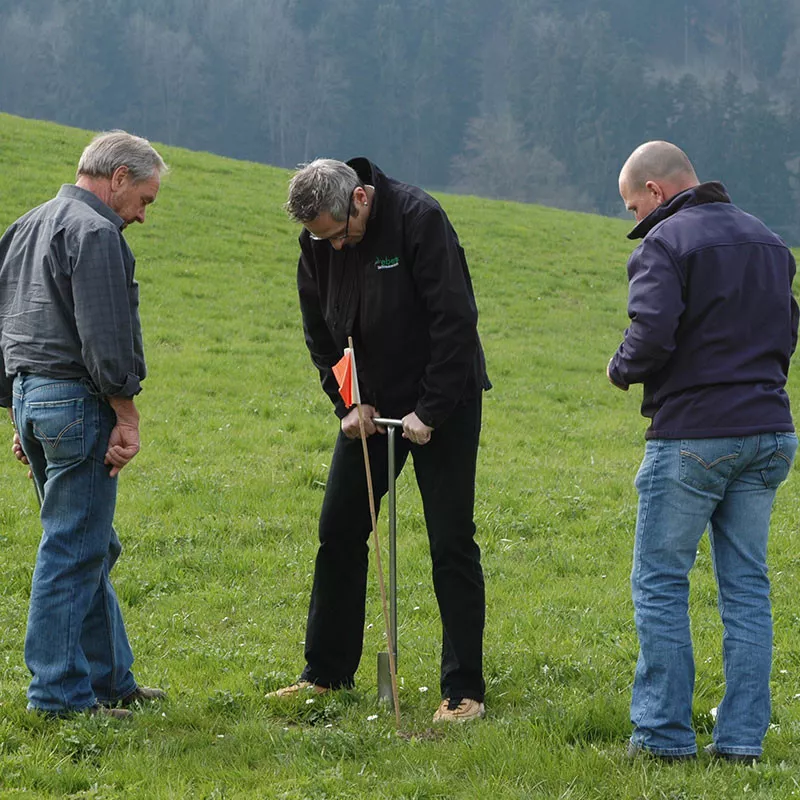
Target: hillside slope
x: 218, y: 518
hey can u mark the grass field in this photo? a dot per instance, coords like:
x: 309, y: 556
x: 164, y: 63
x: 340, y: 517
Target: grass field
x: 218, y: 518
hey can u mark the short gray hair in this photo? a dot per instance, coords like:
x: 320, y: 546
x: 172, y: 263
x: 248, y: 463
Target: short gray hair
x: 113, y: 149
x: 322, y: 185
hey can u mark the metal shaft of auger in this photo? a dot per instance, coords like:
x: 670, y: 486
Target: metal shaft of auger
x: 381, y: 583
x: 391, y: 426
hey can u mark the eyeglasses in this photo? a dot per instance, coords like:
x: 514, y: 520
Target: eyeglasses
x: 337, y: 237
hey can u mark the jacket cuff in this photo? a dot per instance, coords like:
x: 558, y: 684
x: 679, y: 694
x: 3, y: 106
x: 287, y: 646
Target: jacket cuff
x: 615, y: 378
x: 130, y: 388
x: 426, y: 419
x: 340, y: 409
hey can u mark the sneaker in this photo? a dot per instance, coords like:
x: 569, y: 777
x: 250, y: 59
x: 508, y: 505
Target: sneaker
x: 459, y: 709
x: 741, y: 758
x: 298, y: 688
x: 636, y: 750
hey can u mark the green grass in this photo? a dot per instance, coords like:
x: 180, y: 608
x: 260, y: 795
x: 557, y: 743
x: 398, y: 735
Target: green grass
x: 218, y: 518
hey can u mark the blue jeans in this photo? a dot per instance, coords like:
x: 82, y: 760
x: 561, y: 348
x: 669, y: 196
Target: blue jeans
x: 76, y: 647
x: 727, y: 485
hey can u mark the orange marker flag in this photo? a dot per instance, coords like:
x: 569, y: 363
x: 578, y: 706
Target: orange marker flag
x: 346, y: 376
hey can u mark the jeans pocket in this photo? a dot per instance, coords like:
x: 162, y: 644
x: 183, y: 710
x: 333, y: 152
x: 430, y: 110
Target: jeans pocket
x: 707, y: 464
x: 777, y: 469
x: 58, y: 426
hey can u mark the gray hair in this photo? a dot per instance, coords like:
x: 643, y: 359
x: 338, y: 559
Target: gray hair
x: 113, y: 149
x: 657, y: 161
x: 323, y: 185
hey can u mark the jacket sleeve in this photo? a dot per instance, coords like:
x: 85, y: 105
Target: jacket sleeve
x: 655, y: 304
x: 795, y: 312
x: 442, y: 280
x: 6, y: 383
x: 320, y: 343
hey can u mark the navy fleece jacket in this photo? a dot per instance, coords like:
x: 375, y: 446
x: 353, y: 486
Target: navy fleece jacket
x: 713, y: 320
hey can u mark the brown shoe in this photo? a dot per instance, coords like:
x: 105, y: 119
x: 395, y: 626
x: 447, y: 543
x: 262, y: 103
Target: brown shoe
x: 143, y: 694
x: 114, y: 713
x: 636, y: 750
x: 741, y: 758
x: 93, y: 711
x: 459, y: 709
x: 301, y: 687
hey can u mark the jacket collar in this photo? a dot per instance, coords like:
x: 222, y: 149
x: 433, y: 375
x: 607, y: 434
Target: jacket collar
x: 92, y: 200
x: 711, y: 192
x: 371, y: 174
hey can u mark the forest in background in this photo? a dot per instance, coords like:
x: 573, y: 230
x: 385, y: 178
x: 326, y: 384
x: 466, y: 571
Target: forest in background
x: 531, y: 100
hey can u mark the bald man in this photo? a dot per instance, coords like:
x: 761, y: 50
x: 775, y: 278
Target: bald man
x: 713, y: 326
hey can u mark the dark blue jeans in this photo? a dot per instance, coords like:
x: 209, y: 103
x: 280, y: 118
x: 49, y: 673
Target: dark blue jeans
x: 727, y: 484
x: 445, y: 472
x: 76, y: 646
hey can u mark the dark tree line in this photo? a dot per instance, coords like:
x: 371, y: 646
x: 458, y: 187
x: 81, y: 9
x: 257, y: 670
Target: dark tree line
x: 533, y: 100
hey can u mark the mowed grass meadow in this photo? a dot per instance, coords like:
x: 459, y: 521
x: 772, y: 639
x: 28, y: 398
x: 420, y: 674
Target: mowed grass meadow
x: 218, y: 519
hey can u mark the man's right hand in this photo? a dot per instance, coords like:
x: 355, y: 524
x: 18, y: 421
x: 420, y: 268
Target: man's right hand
x: 16, y: 444
x: 352, y: 430
x: 123, y: 444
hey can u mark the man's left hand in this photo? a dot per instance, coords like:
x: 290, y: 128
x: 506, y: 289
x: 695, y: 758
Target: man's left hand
x: 415, y: 430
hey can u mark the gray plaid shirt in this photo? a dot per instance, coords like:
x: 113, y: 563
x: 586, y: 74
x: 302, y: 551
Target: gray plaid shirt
x: 69, y: 304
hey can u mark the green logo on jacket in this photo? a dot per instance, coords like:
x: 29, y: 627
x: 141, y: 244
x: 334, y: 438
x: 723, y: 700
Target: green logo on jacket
x: 387, y: 263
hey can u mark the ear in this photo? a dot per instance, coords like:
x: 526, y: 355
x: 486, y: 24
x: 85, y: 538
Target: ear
x: 656, y: 190
x: 359, y: 197
x: 119, y: 177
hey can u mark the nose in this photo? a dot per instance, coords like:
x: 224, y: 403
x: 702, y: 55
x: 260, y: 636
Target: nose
x: 140, y: 216
x: 337, y: 244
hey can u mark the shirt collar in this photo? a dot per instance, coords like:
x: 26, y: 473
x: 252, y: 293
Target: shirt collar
x: 92, y: 200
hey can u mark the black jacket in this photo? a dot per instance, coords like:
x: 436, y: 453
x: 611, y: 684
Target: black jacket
x: 405, y: 296
x: 713, y: 320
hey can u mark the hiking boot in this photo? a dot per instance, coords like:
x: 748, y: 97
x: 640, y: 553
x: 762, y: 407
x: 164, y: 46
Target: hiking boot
x: 299, y: 688
x: 143, y: 694
x: 459, y: 709
x: 739, y: 758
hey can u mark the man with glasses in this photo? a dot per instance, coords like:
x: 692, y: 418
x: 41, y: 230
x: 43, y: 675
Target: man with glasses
x: 381, y: 262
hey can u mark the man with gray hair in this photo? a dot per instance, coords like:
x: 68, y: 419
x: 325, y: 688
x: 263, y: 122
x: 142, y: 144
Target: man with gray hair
x: 381, y: 262
x: 713, y: 327
x: 71, y: 362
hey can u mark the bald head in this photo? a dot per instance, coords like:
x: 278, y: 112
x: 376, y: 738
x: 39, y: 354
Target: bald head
x: 658, y: 161
x: 654, y: 173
